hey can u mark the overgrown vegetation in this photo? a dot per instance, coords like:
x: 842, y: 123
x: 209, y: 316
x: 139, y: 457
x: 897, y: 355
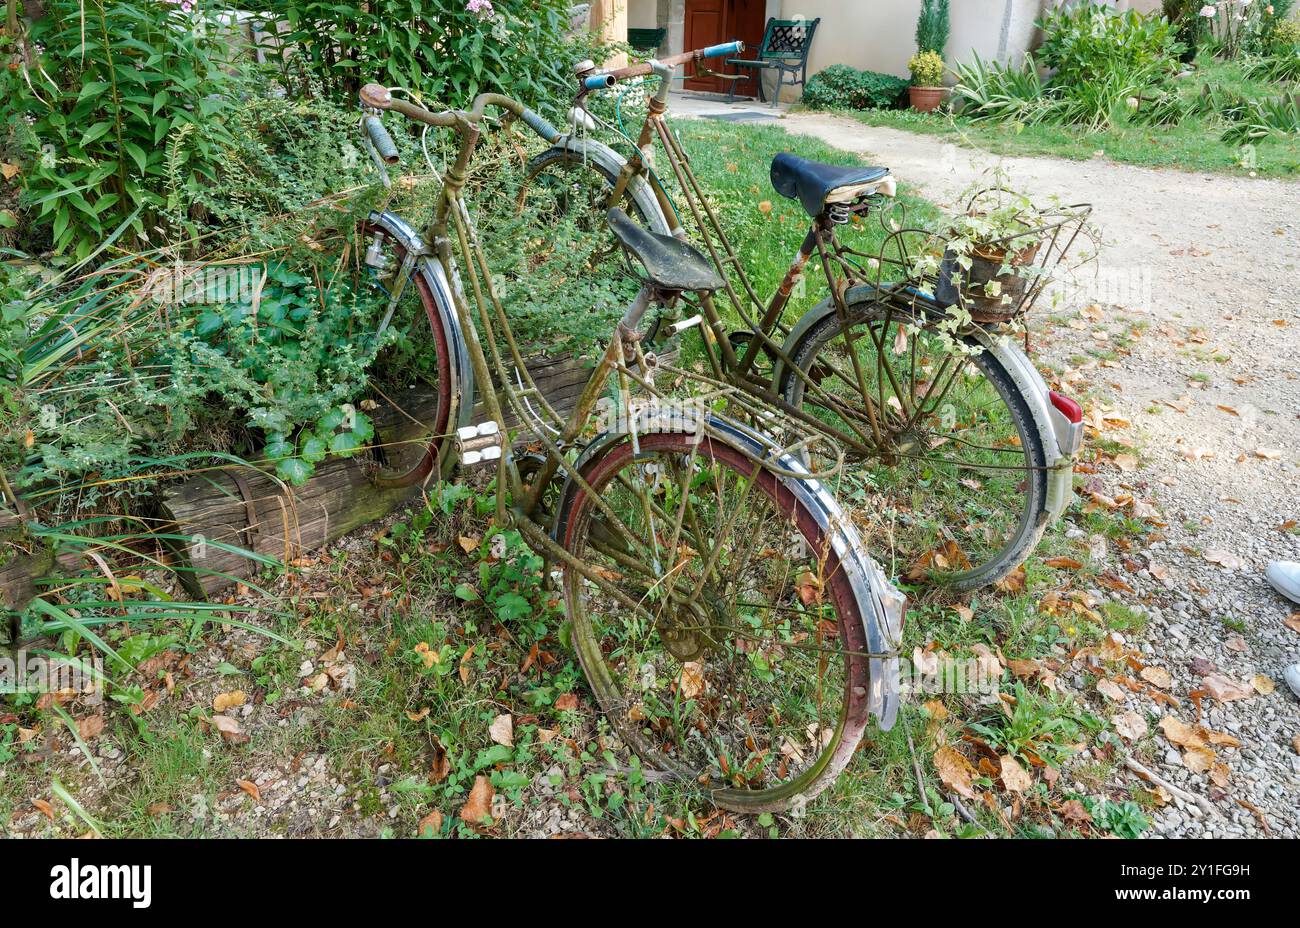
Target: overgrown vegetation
x: 840, y: 87
x: 1151, y: 89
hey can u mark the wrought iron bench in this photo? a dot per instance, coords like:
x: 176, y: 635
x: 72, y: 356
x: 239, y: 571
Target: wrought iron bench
x: 646, y: 40
x: 784, y: 50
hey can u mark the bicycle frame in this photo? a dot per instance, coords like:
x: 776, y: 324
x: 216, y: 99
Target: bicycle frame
x: 450, y: 231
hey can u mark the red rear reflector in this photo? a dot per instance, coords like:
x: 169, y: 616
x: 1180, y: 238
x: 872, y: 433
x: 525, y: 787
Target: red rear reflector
x: 1067, y: 407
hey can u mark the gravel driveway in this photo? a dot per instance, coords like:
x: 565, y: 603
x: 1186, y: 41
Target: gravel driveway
x: 1196, y: 317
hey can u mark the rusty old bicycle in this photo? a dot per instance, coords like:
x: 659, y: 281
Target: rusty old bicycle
x: 727, y: 617
x: 966, y: 452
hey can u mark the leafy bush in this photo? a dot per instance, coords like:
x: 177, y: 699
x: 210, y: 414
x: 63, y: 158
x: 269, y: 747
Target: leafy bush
x: 927, y: 69
x: 840, y: 87
x: 932, y: 27
x: 1280, y: 67
x: 1087, y: 43
x: 1105, y: 65
x: 1277, y: 117
x: 448, y: 50
x: 1190, y: 27
x: 125, y: 105
x: 1002, y: 92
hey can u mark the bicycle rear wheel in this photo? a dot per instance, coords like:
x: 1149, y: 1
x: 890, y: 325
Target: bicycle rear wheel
x: 957, y: 469
x: 742, y: 665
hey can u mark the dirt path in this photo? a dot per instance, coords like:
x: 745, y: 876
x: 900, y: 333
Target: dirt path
x: 1198, y: 286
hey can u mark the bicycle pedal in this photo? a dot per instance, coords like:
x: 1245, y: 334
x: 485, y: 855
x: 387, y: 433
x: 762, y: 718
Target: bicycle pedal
x: 479, y: 444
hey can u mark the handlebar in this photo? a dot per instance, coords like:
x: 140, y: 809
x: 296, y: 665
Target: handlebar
x: 378, y: 97
x: 648, y: 67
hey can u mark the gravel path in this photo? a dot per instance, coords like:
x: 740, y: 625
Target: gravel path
x: 1199, y: 271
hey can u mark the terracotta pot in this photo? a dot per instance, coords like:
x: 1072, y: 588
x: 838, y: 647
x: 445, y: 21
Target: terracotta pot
x: 925, y: 99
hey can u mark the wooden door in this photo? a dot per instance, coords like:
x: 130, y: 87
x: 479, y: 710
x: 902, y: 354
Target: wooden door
x: 711, y: 22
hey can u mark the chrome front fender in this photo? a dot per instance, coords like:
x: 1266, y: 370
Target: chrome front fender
x: 430, y: 268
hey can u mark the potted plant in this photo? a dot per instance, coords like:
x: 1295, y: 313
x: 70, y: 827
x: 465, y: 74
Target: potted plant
x: 927, y: 88
x: 927, y: 64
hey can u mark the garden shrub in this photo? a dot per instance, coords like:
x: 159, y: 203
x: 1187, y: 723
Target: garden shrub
x: 447, y: 50
x: 840, y: 87
x: 1104, y: 63
x: 126, y: 104
x: 932, y: 27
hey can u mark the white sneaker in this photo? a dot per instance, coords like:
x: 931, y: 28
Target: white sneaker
x: 1285, y: 577
x: 1292, y: 677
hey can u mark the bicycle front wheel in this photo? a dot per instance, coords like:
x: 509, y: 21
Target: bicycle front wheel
x: 722, y: 637
x: 948, y: 447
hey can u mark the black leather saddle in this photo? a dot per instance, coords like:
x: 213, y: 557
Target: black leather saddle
x: 811, y: 182
x: 669, y: 263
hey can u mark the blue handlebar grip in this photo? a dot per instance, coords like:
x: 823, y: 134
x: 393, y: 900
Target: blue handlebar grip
x: 598, y: 82
x: 726, y: 48
x: 538, y: 124
x: 382, y: 141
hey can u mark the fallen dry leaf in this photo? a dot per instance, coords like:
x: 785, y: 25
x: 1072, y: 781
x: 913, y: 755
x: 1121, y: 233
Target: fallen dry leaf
x: 1075, y: 812
x: 935, y: 709
x: 1219, y: 775
x: 1130, y: 725
x: 226, y: 725
x: 1223, y: 689
x: 250, y: 787
x: 430, y: 825
x: 44, y: 808
x: 223, y: 701
x: 1262, y: 684
x: 1224, y: 559
x: 1111, y: 690
x: 955, y: 771
x: 421, y: 715
x: 1157, y: 676
x: 502, y: 730
x: 1014, y: 777
x: 1198, y: 759
x: 479, y: 804
x: 468, y: 544
x: 464, y: 665
x: 1127, y: 463
x: 566, y: 702
x: 1063, y: 563
x: 1180, y: 734
x: 90, y: 727
x: 1013, y: 582
x: 691, y: 681
x: 1292, y: 621
x: 428, y: 656
x: 1268, y: 454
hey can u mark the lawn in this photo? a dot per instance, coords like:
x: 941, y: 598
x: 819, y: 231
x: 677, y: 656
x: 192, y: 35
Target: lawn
x: 404, y: 706
x: 1194, y: 144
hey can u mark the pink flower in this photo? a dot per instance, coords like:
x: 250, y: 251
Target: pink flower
x: 1207, y: 11
x: 481, y: 8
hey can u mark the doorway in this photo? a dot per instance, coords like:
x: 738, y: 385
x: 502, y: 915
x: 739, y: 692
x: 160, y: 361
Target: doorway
x: 712, y: 22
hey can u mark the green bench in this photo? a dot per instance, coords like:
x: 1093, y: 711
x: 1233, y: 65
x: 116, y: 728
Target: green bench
x: 646, y: 40
x: 784, y: 50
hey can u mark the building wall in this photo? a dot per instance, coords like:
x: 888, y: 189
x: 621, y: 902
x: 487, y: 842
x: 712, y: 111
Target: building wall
x: 879, y: 35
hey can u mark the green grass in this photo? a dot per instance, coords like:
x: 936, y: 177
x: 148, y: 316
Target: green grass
x: 1192, y: 145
